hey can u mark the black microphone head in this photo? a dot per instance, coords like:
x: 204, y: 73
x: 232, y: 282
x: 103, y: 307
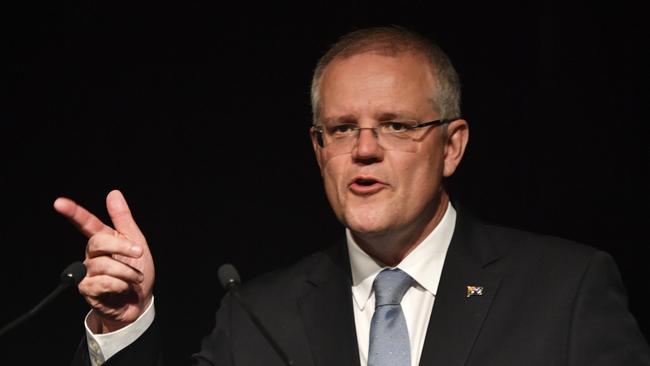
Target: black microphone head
x: 74, y: 273
x: 228, y: 276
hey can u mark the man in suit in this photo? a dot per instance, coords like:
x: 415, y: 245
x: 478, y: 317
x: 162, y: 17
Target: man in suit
x: 415, y: 281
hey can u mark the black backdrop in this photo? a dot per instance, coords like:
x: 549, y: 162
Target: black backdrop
x: 200, y: 113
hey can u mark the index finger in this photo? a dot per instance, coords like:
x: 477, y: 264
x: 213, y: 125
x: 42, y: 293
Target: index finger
x: 81, y: 218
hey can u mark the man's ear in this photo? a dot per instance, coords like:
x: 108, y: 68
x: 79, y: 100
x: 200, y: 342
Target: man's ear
x: 457, y: 137
x: 318, y: 151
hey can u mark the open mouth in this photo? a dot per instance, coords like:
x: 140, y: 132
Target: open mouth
x: 366, y: 185
x: 365, y: 182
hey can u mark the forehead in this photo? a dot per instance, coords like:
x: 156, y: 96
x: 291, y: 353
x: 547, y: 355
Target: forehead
x: 374, y: 84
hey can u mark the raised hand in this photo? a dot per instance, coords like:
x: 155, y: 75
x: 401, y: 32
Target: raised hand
x: 119, y: 281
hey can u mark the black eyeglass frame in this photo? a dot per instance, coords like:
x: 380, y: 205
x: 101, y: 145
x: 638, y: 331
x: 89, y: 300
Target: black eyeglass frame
x: 318, y: 129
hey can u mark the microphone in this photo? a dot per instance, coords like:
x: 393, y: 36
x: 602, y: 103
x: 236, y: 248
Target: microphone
x: 228, y: 276
x: 71, y: 275
x: 229, y: 279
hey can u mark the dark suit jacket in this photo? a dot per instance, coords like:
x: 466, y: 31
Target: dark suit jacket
x: 546, y: 301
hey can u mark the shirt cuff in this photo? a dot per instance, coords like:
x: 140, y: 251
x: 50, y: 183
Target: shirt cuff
x: 101, y: 347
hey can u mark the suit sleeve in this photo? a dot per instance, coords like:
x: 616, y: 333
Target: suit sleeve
x: 147, y: 350
x: 603, y: 331
x: 144, y: 351
x: 216, y: 348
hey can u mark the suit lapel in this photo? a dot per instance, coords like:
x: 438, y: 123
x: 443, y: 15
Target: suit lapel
x: 456, y: 319
x: 326, y: 310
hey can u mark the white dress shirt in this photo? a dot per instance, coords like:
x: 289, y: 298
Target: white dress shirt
x: 423, y: 264
x: 101, y: 347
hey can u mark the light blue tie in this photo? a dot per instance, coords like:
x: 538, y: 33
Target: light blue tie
x: 389, y: 337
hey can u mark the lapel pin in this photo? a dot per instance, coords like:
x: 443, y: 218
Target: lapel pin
x: 474, y: 291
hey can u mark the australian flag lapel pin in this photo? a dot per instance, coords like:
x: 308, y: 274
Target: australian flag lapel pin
x: 474, y: 291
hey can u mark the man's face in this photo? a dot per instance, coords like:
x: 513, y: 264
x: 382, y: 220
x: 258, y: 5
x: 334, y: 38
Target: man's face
x: 373, y: 190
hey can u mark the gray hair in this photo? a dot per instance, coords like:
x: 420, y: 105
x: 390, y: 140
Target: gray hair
x: 391, y: 41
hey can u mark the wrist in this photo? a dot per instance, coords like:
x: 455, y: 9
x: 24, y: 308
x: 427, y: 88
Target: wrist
x: 99, y: 324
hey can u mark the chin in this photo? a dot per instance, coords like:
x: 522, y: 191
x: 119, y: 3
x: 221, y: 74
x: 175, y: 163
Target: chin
x: 367, y: 221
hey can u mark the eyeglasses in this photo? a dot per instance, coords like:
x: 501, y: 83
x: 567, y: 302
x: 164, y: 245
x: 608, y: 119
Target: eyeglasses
x: 391, y: 135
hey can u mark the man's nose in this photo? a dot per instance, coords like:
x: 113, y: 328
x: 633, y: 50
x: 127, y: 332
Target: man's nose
x: 368, y: 148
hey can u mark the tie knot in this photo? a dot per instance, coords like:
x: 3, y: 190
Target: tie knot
x: 390, y: 286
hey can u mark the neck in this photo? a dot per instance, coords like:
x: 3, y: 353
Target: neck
x: 393, y: 246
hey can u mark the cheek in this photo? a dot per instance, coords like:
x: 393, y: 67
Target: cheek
x: 419, y: 178
x: 433, y: 162
x: 333, y: 180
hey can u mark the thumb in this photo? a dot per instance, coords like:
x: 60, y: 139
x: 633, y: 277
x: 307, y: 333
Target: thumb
x: 121, y: 216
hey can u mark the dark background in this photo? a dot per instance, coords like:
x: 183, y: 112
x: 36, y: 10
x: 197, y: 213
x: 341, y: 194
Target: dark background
x: 199, y: 113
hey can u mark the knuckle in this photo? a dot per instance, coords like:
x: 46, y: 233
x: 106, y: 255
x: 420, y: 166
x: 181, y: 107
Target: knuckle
x: 102, y: 243
x: 86, y: 225
x: 101, y: 266
x: 94, y: 266
x: 83, y: 287
x: 94, y: 243
x: 96, y: 286
x: 90, y: 245
x: 105, y: 285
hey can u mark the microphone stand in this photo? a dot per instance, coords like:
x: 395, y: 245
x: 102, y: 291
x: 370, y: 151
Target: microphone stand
x: 73, y: 274
x: 60, y: 288
x: 261, y: 328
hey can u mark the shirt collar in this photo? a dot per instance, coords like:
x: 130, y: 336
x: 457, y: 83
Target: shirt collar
x: 423, y: 264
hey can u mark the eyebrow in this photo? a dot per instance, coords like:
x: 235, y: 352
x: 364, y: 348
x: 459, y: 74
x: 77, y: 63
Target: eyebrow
x: 381, y: 116
x: 386, y: 116
x: 346, y: 118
